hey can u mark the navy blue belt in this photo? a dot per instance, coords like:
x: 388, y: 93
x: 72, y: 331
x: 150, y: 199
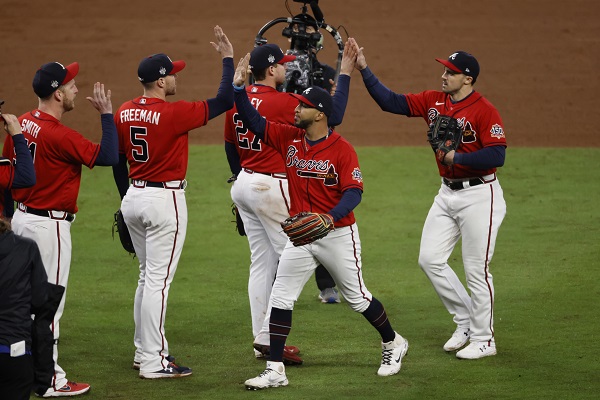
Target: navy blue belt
x: 277, y: 175
x: 458, y: 185
x: 6, y: 350
x: 45, y: 213
x: 177, y: 184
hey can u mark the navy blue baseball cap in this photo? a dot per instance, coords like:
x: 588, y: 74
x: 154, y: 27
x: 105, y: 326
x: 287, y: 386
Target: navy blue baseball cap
x: 316, y: 97
x: 158, y: 66
x: 266, y: 55
x: 463, y: 63
x: 51, y: 75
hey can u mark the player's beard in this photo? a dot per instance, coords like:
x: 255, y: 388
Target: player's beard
x: 68, y: 104
x: 303, y: 123
x: 171, y: 88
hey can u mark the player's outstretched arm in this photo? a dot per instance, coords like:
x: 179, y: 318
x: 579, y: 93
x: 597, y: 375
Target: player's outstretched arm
x: 222, y: 44
x: 387, y: 100
x: 224, y: 99
x: 109, y: 144
x: 342, y: 88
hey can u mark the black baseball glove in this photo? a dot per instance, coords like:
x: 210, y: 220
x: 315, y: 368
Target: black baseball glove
x: 444, y: 135
x: 239, y: 224
x: 121, y: 228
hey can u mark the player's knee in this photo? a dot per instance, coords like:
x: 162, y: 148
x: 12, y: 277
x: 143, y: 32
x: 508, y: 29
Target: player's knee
x: 425, y: 260
x: 428, y: 261
x: 283, y: 304
x: 358, y: 305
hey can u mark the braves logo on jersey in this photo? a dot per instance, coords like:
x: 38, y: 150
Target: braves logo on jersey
x: 330, y: 178
x: 315, y: 169
x: 469, y: 134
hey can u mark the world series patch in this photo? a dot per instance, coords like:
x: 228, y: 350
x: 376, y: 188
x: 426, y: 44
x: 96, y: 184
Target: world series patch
x: 357, y: 175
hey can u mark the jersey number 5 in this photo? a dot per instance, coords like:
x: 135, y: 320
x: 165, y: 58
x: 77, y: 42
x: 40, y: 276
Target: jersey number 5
x: 137, y: 136
x: 241, y: 132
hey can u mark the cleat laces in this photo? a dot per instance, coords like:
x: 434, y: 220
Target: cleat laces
x: 386, y: 357
x: 265, y: 372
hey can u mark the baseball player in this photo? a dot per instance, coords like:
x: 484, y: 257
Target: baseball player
x: 153, y: 139
x: 324, y: 177
x: 470, y: 202
x: 296, y: 80
x: 260, y: 191
x: 46, y: 210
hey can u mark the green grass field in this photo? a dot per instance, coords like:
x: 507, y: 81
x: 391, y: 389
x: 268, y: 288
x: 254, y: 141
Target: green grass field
x: 546, y: 270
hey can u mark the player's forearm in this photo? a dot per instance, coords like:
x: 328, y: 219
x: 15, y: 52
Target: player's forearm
x: 486, y: 158
x: 350, y: 199
x: 109, y: 144
x: 233, y: 158
x: 251, y: 118
x: 386, y: 99
x: 9, y: 204
x: 120, y: 174
x: 24, y: 170
x: 224, y: 99
x: 340, y: 100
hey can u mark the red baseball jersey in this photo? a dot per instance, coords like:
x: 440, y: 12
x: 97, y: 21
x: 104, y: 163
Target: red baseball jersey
x: 153, y: 134
x: 274, y: 106
x: 319, y: 174
x: 58, y: 153
x: 6, y: 176
x: 481, y: 123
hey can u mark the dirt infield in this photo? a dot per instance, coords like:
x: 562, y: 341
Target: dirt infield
x: 537, y: 57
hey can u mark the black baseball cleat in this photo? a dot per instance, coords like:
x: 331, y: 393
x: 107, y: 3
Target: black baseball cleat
x: 171, y: 371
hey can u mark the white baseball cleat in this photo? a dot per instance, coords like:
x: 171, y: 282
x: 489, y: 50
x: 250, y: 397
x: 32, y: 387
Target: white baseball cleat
x: 477, y: 350
x: 459, y: 338
x: 273, y: 376
x: 391, y: 355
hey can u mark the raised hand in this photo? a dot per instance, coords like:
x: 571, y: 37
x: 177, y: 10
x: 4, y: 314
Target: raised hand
x: 101, y: 100
x: 348, y: 58
x: 241, y: 72
x: 222, y: 45
x: 11, y: 124
x: 361, y: 62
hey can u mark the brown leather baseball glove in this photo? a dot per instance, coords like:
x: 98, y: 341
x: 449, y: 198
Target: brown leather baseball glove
x: 306, y: 227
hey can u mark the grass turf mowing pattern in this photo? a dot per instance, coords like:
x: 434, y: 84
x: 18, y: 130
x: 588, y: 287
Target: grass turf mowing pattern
x: 545, y: 270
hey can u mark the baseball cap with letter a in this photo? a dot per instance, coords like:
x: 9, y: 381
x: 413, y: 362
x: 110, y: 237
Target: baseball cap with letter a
x: 51, y: 75
x: 158, y: 66
x: 266, y: 55
x: 316, y: 97
x: 463, y: 63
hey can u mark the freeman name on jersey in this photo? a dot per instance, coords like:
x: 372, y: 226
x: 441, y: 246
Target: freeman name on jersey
x: 136, y: 114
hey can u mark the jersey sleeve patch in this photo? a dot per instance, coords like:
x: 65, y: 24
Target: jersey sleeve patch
x: 497, y: 131
x: 357, y: 175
